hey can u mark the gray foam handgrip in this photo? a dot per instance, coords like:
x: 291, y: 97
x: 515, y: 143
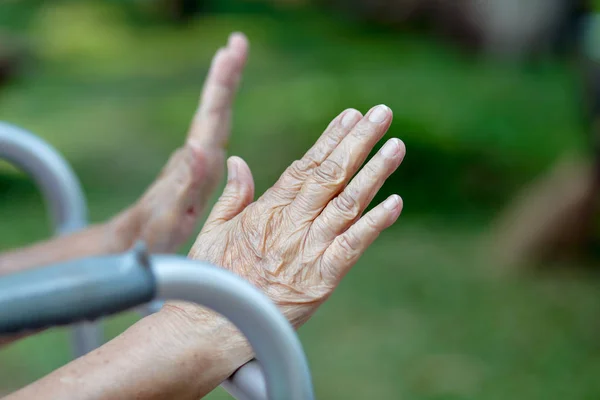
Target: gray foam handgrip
x: 74, y: 291
x: 64, y: 198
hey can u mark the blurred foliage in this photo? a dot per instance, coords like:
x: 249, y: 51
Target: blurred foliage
x: 113, y: 86
x: 478, y: 130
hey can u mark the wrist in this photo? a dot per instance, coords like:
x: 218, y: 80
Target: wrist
x: 213, y: 345
x: 172, y: 357
x: 195, y: 321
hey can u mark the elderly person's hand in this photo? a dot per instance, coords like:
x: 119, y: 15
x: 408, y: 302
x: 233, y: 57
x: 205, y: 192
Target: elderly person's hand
x: 299, y: 239
x: 166, y: 215
x: 295, y: 243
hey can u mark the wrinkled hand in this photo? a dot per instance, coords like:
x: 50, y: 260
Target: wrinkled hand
x: 300, y: 238
x: 166, y: 215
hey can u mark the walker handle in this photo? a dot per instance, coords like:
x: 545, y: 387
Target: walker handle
x: 71, y: 292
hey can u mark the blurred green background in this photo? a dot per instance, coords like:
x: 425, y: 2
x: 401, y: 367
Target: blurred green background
x: 113, y: 86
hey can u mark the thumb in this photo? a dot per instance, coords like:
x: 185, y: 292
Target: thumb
x: 237, y: 195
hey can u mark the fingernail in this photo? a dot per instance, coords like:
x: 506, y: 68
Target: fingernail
x: 390, y: 203
x: 232, y: 170
x: 390, y: 148
x: 378, y: 114
x: 350, y: 119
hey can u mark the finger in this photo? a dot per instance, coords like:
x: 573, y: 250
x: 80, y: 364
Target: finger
x: 329, y: 178
x: 237, y: 195
x: 211, y: 124
x: 347, y: 248
x: 291, y: 181
x: 238, y: 42
x: 192, y: 175
x: 350, y: 204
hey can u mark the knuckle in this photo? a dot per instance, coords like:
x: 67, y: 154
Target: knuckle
x: 347, y: 205
x: 335, y: 136
x: 371, y: 222
x: 278, y: 193
x: 316, y: 154
x: 300, y: 167
x: 349, y: 243
x: 330, y: 171
x: 322, y: 226
x: 362, y: 131
x: 193, y: 152
x: 372, y: 171
x: 219, y: 100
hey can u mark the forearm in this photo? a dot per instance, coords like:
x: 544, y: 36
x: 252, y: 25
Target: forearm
x: 164, y: 356
x: 106, y: 238
x: 114, y: 236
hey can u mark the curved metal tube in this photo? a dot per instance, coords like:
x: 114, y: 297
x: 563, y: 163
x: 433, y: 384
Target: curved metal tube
x: 57, y: 181
x: 64, y: 198
x: 272, y: 337
x: 247, y: 383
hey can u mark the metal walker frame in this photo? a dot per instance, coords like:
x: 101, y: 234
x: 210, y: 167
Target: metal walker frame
x: 83, y: 290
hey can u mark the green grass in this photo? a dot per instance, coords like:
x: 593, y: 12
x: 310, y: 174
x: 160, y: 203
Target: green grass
x: 420, y: 317
x: 421, y: 322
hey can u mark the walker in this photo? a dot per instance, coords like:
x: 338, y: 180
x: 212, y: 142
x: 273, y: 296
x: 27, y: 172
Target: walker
x: 84, y: 290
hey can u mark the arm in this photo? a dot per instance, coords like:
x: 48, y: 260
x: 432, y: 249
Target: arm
x: 95, y: 240
x: 167, y: 355
x: 167, y: 214
x: 295, y: 243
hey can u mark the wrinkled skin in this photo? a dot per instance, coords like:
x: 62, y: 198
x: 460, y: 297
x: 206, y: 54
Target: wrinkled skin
x: 166, y: 215
x: 300, y: 238
x: 295, y: 243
